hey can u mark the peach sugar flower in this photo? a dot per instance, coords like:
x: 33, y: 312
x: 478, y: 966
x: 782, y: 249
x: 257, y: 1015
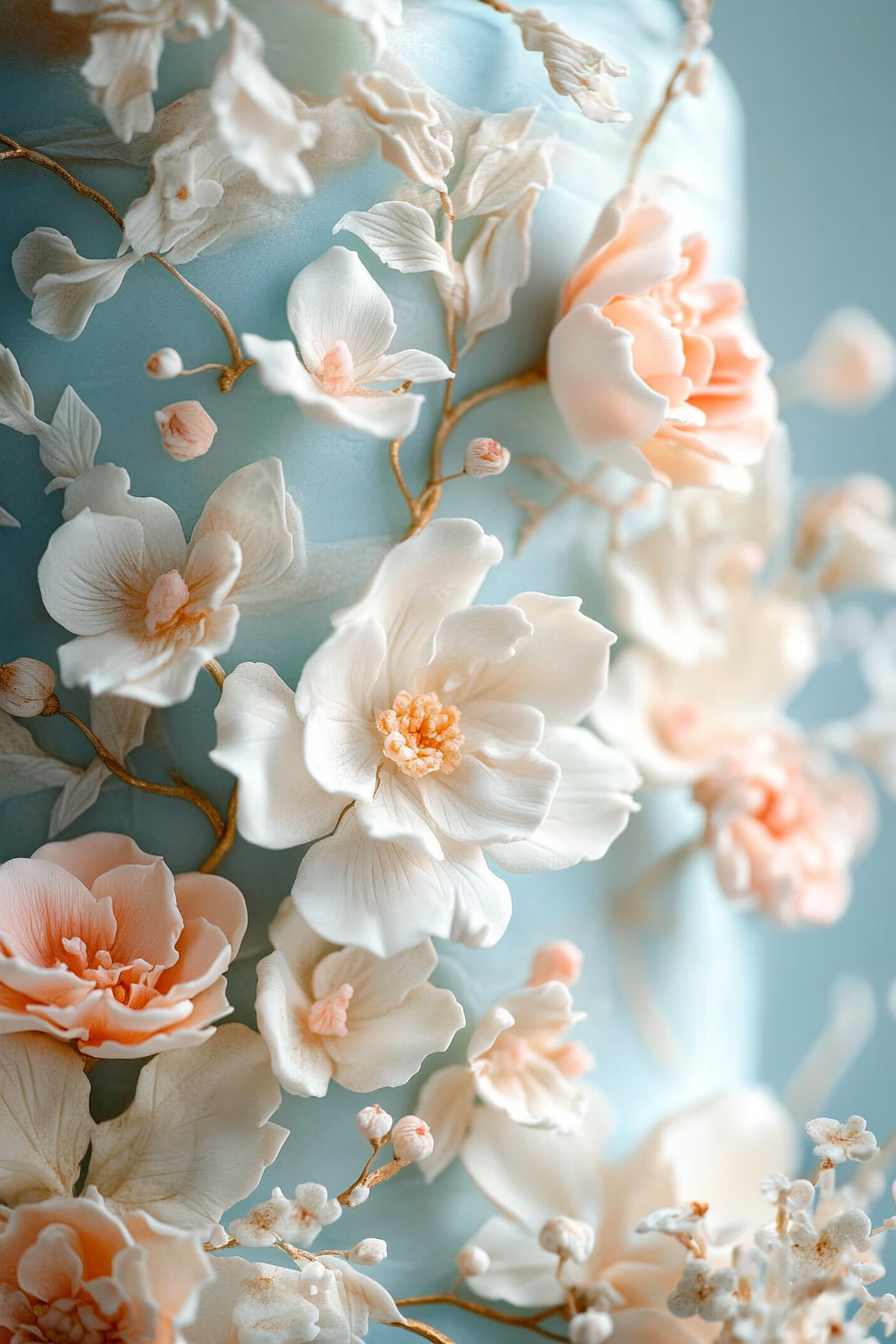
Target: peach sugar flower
x: 784, y: 829
x: 653, y: 366
x: 101, y: 946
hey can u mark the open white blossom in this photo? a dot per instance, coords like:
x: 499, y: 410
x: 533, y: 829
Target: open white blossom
x: 847, y: 536
x: 64, y: 286
x: 412, y: 136
x: 148, y: 609
x: 298, y: 1220
x: 575, y: 68
x: 343, y: 326
x: 703, y: 1291
x: 836, y: 1142
x: 346, y: 1014
x: 427, y: 732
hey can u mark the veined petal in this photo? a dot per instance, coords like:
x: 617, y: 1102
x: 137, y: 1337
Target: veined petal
x: 417, y: 366
x: 91, y: 574
x: 395, y: 812
x: 379, y: 985
x: 335, y: 299
x: 519, y: 1271
x: 336, y: 698
x: 387, y: 1051
x: 298, y: 1056
x: 107, y: 489
x: 446, y: 1103
x: 65, y: 287
x: 251, y: 507
x: 212, y: 570
x: 466, y: 643
x: 261, y: 741
x: 484, y: 803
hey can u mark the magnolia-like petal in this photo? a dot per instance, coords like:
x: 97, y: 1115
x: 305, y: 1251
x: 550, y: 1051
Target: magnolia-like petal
x: 537, y: 1095
x: 631, y: 250
x: 65, y: 287
x: 400, y: 234
x: 391, y: 897
x: 415, y: 366
x: 250, y: 506
x: 301, y: 947
x: 501, y: 732
x: 212, y: 569
x: 16, y: 397
x: 336, y: 697
x: 379, y: 986
x: 107, y: 489
x: 388, y: 1050
x: 365, y: 1296
x: 534, y: 1174
x: 606, y: 407
x: 335, y: 299
x: 590, y: 809
x: 191, y: 1143
x: 467, y: 644
x: 519, y: 1271
x: 253, y: 1304
x: 396, y: 812
x: 261, y: 741
x: 87, y: 856
x: 421, y: 581
x: 446, y: 1103
x: 298, y: 1056
x: 480, y: 803
x: 44, y: 1118
x: 91, y: 575
x: 386, y: 416
x: 173, y: 683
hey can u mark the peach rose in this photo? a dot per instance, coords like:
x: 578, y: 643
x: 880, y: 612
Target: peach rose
x: 101, y: 946
x: 187, y: 430
x: 70, y: 1270
x: 652, y: 365
x: 784, y: 828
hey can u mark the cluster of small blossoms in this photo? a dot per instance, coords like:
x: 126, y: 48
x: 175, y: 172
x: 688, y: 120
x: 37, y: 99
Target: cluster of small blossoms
x: 697, y: 37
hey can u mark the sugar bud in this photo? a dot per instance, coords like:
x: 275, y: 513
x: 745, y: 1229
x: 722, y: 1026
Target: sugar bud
x: 26, y: 688
x: 358, y: 1195
x: 187, y: 430
x: 567, y: 1237
x: 485, y: 457
x: 590, y: 1327
x: 411, y: 1139
x: 472, y: 1260
x: 370, y: 1251
x: 165, y: 363
x: 373, y: 1122
x: 556, y: 961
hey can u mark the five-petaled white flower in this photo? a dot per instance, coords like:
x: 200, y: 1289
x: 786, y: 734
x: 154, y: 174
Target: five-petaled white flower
x: 837, y: 1143
x: 298, y: 1220
x: 343, y: 326
x: 703, y: 1291
x: 424, y: 732
x: 149, y: 609
x: 346, y: 1014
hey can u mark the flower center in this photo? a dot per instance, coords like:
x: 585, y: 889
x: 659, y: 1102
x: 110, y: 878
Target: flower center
x: 422, y: 734
x: 336, y: 371
x: 510, y: 1054
x: 65, y: 1320
x: 328, y: 1015
x: 165, y: 601
x: 131, y: 983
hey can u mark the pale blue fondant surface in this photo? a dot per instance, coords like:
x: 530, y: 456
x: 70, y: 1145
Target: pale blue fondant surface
x: 702, y: 959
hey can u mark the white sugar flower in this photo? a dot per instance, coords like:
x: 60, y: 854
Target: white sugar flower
x: 425, y: 732
x: 346, y: 1014
x: 791, y: 1196
x: 149, y: 609
x: 703, y: 1291
x: 261, y: 1226
x: 567, y: 1237
x: 675, y: 1222
x: 847, y: 536
x: 574, y: 68
x: 343, y: 326
x: 816, y: 1252
x: 850, y: 365
x: 837, y: 1143
x: 590, y: 1327
x: 411, y: 133
x: 298, y: 1220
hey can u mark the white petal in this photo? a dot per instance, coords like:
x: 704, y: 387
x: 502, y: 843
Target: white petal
x: 106, y: 489
x: 484, y: 803
x: 68, y: 446
x: 365, y: 1293
x: 298, y: 1056
x: 446, y: 1104
x: 607, y: 408
x: 396, y: 812
x: 500, y: 164
x: 251, y: 507
x: 16, y: 399
x: 44, y: 1118
x: 388, y: 1050
x: 191, y: 1144
x: 402, y: 235
x: 24, y: 767
x: 469, y: 642
x: 336, y: 697
x: 519, y: 1271
x: 65, y: 287
x: 261, y: 741
x: 334, y: 299
x: 92, y: 573
x: 416, y: 366
x: 211, y: 571
x: 496, y: 265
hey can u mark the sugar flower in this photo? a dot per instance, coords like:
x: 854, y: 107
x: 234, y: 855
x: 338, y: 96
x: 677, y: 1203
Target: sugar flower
x: 850, y: 365
x: 426, y: 732
x: 652, y: 365
x: 343, y: 326
x: 346, y: 1014
x: 575, y: 68
x: 838, y: 1143
x: 70, y: 1269
x: 847, y: 536
x: 298, y: 1220
x: 187, y: 430
x: 411, y: 134
x: 101, y: 946
x: 64, y: 286
x: 150, y: 609
x: 703, y: 1291
x: 784, y: 828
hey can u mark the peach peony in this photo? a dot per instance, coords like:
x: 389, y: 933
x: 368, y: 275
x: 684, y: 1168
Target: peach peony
x: 70, y: 1270
x: 784, y: 829
x: 652, y: 365
x: 101, y: 946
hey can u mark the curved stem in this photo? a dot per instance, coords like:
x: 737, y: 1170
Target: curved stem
x: 239, y: 364
x: 423, y: 1330
x: 669, y: 95
x: 531, y: 1322
x: 216, y: 672
x: 179, y: 790
x: 394, y: 450
x: 42, y: 161
x: 225, y: 844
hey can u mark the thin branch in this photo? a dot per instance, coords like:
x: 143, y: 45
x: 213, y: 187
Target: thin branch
x: 42, y: 161
x: 225, y: 844
x: 423, y: 1330
x: 670, y: 93
x: 531, y: 1322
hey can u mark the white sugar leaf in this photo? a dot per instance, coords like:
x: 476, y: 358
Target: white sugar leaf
x: 16, y: 399
x: 402, y: 235
x: 503, y: 175
x: 496, y: 265
x: 78, y: 795
x: 119, y: 723
x: 24, y: 766
x: 68, y: 446
x: 365, y: 1296
x: 6, y: 518
x: 44, y: 1117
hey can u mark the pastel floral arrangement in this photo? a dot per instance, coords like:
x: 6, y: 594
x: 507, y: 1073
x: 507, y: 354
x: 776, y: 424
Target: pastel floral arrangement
x: 431, y: 743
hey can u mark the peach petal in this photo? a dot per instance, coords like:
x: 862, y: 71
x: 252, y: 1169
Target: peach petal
x: 657, y: 348
x: 89, y: 855
x: 203, y: 955
x: 146, y: 914
x: 40, y: 904
x: 207, y: 896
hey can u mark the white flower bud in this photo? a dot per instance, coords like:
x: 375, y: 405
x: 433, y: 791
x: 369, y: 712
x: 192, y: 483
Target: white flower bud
x: 411, y: 1139
x: 568, y: 1237
x: 165, y: 363
x: 472, y: 1260
x: 697, y: 34
x: 698, y: 75
x: 218, y: 1236
x: 370, y: 1251
x: 590, y: 1327
x: 373, y: 1122
x: 26, y: 687
x: 485, y: 457
x: 358, y: 1195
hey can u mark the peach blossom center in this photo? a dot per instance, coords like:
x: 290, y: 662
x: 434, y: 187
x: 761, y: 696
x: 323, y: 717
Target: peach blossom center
x: 511, y: 1054
x: 131, y: 983
x: 336, y: 371
x: 70, y: 1320
x: 165, y: 601
x: 422, y: 734
x: 328, y: 1015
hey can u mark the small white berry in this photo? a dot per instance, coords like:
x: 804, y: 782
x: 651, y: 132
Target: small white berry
x: 165, y: 363
x: 411, y: 1139
x: 590, y: 1327
x: 373, y: 1122
x: 568, y: 1237
x: 472, y: 1260
x: 358, y: 1196
x: 370, y: 1251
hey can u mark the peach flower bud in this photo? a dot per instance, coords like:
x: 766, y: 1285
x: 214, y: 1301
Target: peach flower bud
x: 567, y: 1237
x: 370, y: 1251
x: 473, y: 1260
x: 411, y: 1139
x: 358, y: 1196
x: 590, y: 1327
x: 373, y: 1122
x: 26, y: 687
x: 572, y: 1059
x: 698, y: 75
x: 556, y: 961
x: 187, y: 430
x: 850, y: 364
x: 485, y: 457
x: 165, y: 363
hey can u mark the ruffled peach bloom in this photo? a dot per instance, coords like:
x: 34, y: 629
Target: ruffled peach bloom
x: 847, y: 536
x: 187, y: 430
x: 784, y: 828
x: 71, y: 1270
x: 101, y: 946
x: 652, y: 365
